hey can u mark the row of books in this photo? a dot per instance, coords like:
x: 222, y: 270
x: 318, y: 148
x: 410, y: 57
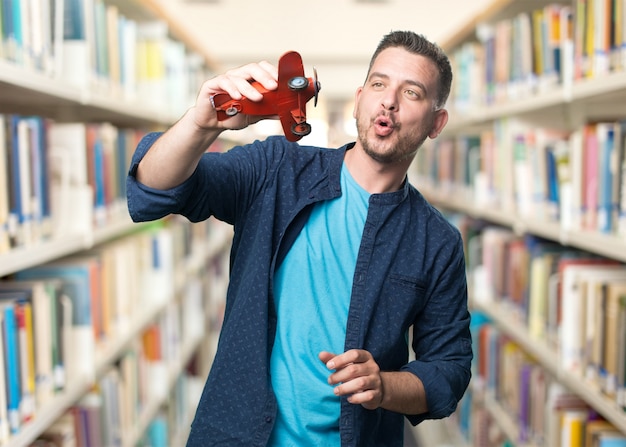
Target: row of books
x: 577, y: 178
x: 537, y: 49
x: 570, y: 301
x: 95, y: 46
x: 59, y: 316
x: 112, y: 412
x: 28, y: 30
x: 59, y: 178
x: 543, y: 412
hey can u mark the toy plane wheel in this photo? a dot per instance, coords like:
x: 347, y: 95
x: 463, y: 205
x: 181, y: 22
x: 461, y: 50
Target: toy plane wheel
x: 298, y: 83
x: 233, y: 110
x: 301, y: 130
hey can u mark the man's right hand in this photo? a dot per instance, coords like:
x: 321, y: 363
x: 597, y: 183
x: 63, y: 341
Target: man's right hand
x: 236, y: 84
x: 175, y: 155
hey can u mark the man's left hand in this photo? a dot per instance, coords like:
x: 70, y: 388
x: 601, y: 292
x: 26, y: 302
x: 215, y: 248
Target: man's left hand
x: 356, y: 376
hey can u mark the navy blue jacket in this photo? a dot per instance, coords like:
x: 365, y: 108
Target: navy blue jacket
x: 410, y: 271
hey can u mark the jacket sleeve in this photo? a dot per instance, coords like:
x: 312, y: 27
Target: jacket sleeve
x: 145, y: 203
x: 221, y: 183
x: 442, y: 339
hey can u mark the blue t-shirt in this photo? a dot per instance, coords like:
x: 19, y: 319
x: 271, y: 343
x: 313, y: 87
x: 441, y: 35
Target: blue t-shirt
x: 312, y: 295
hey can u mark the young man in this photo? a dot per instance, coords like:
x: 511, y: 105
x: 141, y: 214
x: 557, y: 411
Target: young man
x: 335, y: 257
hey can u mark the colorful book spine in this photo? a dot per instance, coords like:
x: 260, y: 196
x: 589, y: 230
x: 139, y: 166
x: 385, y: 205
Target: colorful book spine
x: 13, y: 365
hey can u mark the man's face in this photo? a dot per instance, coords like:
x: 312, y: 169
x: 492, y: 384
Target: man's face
x: 395, y: 110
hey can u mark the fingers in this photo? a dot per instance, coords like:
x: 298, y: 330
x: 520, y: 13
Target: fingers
x: 356, y: 376
x: 325, y: 356
x: 349, y: 357
x: 236, y: 82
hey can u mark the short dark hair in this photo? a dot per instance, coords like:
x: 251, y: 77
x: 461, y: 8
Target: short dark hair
x: 418, y: 44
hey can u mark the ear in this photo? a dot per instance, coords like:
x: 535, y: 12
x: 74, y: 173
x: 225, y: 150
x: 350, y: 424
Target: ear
x: 440, y: 121
x: 357, y: 94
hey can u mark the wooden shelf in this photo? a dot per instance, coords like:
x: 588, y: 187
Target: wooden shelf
x: 610, y: 246
x: 549, y: 360
x: 28, y: 92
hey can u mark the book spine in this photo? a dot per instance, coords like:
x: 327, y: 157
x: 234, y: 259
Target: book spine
x: 13, y: 368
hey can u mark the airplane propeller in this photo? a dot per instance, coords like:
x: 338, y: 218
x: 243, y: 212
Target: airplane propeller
x: 316, y: 85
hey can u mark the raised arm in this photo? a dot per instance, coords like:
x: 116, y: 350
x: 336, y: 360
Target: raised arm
x: 175, y: 155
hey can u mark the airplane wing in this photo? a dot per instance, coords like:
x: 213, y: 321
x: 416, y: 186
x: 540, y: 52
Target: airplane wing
x: 291, y: 113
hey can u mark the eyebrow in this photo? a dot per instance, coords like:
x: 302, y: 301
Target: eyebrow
x: 377, y: 74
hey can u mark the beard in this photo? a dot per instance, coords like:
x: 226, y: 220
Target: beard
x: 395, y: 148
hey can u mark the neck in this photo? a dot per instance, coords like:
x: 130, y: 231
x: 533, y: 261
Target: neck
x: 374, y: 177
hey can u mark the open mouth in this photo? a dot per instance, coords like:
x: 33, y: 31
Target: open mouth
x: 383, y: 126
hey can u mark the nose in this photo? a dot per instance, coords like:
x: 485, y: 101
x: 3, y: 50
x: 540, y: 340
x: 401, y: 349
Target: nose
x: 389, y: 101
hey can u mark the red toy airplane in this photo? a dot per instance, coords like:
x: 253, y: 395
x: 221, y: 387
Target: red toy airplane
x: 288, y: 101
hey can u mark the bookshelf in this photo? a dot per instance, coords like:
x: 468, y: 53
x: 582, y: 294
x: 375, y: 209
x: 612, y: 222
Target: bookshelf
x: 69, y: 120
x: 531, y: 168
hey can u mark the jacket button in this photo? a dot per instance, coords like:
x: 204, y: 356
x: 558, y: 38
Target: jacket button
x: 268, y: 419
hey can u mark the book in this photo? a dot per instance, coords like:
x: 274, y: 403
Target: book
x: 158, y: 431
x: 620, y: 177
x: 541, y: 269
x: 572, y: 217
x: 614, y: 340
x: 12, y: 30
x: 595, y: 283
x: 573, y: 307
x: 128, y: 58
x: 132, y: 392
x: 12, y: 363
x: 110, y: 387
x: 75, y: 50
x: 495, y: 241
x: 572, y: 427
x: 37, y: 132
x: 151, y: 76
x: 522, y: 172
x: 44, y: 309
x: 21, y: 203
x: 4, y: 418
x: 71, y: 198
x: 5, y: 244
x: 590, y: 177
x: 77, y: 282
x: 566, y: 44
x: 615, y: 345
x: 90, y: 409
x: 606, y: 173
x: 24, y: 317
x: 611, y: 440
x: 540, y: 382
x: 589, y: 39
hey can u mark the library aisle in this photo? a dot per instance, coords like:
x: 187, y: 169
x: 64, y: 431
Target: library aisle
x: 532, y: 169
x: 108, y: 328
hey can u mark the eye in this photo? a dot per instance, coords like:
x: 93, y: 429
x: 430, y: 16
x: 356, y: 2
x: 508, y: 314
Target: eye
x: 412, y: 94
x: 377, y: 85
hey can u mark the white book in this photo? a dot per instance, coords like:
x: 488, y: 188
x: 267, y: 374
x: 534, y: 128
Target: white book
x: 574, y: 329
x: 128, y: 58
x: 25, y: 183
x: 4, y: 188
x: 574, y: 216
x: 71, y: 197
